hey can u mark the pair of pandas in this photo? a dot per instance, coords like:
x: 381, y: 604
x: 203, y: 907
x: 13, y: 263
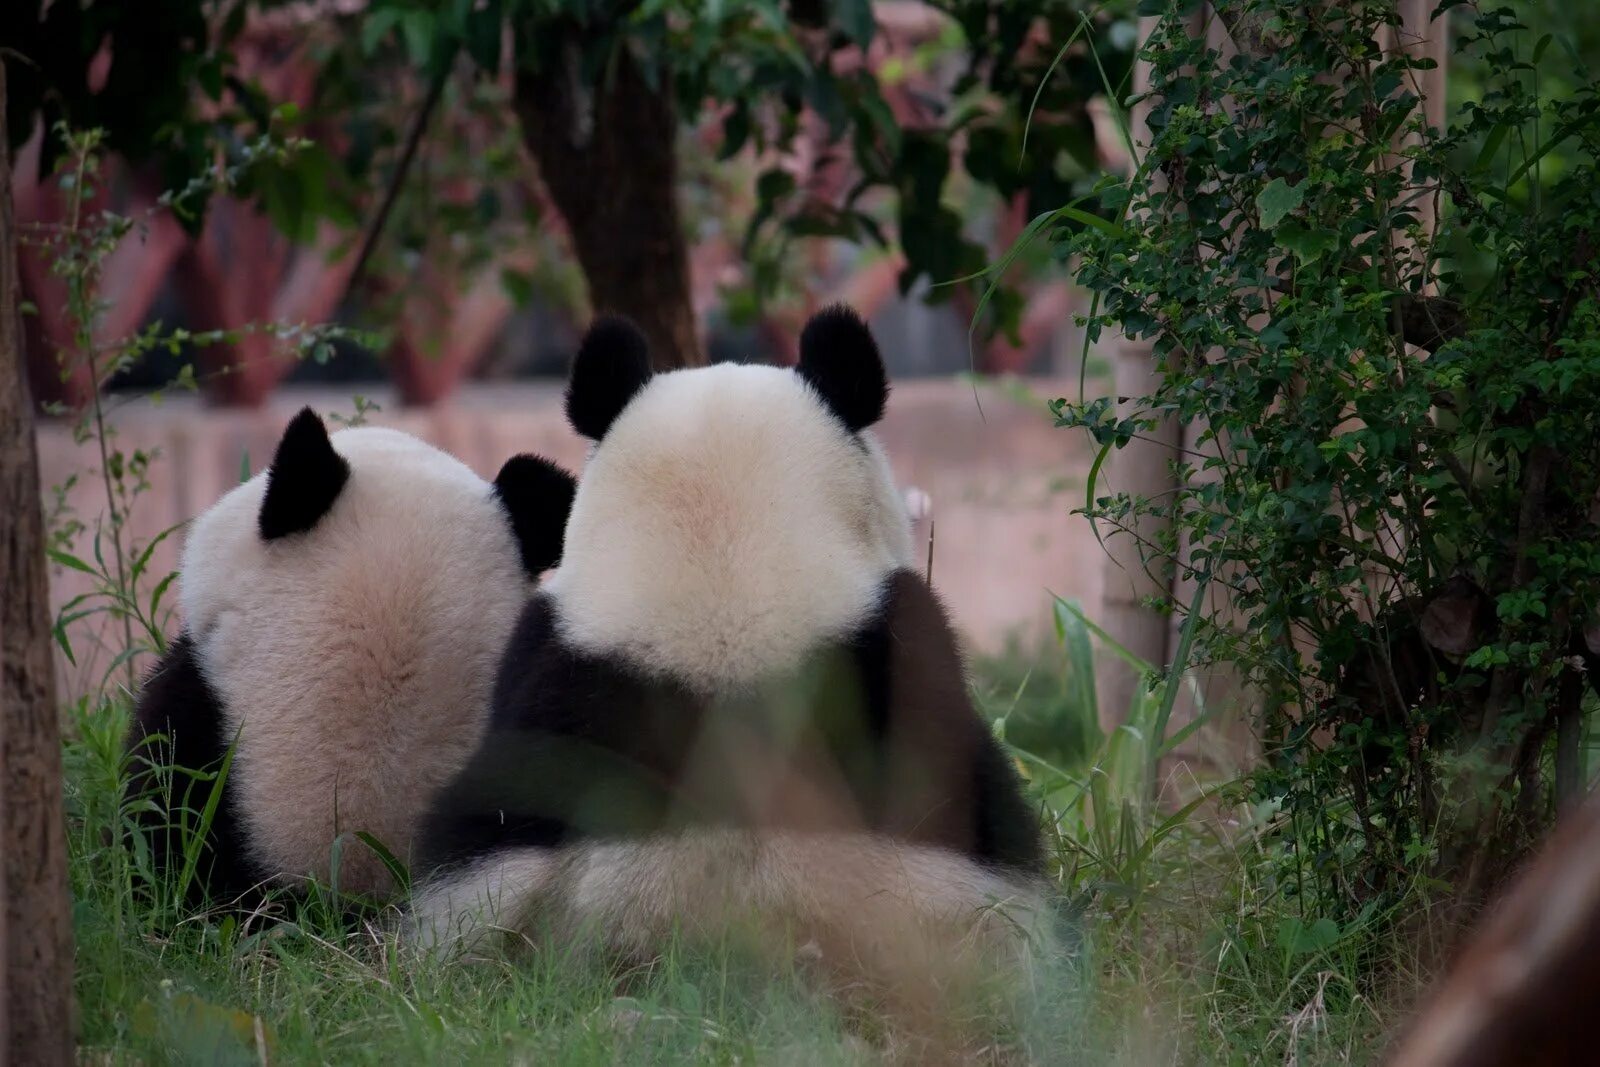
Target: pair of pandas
x: 732, y: 699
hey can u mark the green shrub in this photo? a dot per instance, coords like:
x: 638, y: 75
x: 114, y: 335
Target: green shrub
x: 1397, y: 456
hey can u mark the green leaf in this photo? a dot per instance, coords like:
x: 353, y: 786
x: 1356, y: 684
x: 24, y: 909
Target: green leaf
x: 735, y: 131
x: 855, y: 18
x: 1306, y: 244
x: 1277, y: 200
x: 397, y: 870
x: 1561, y: 134
x: 159, y: 592
x: 1080, y: 657
x: 196, y: 840
x: 210, y: 78
x: 518, y: 285
x: 1033, y: 105
x: 1491, y: 145
x: 71, y: 562
x: 1089, y: 218
x: 418, y: 30
x: 774, y: 185
x: 143, y: 559
x: 1110, y: 643
x: 482, y: 31
x: 59, y: 631
x: 376, y: 27
x: 1297, y: 938
x: 192, y: 1030
x: 1180, y: 664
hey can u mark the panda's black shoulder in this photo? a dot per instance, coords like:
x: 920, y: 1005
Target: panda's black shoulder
x: 549, y: 686
x: 538, y: 672
x: 535, y: 630
x: 562, y: 723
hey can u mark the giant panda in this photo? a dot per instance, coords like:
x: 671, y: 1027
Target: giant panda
x: 735, y: 697
x: 344, y: 613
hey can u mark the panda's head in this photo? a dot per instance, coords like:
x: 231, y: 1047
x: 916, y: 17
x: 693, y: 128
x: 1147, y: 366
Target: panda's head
x: 362, y: 527
x: 732, y: 517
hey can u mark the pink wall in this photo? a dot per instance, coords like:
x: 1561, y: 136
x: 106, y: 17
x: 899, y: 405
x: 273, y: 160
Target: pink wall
x: 1002, y: 482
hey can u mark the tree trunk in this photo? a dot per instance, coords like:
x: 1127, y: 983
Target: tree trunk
x: 1143, y: 468
x: 607, y: 153
x: 36, y: 970
x: 1524, y: 989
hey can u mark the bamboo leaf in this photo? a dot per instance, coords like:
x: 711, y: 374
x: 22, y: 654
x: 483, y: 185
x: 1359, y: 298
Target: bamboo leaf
x: 71, y: 562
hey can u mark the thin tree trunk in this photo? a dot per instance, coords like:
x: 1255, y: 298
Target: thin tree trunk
x: 1569, y: 741
x: 36, y: 970
x: 1143, y: 468
x: 607, y: 152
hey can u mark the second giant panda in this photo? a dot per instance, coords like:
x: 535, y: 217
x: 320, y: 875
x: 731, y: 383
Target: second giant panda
x: 344, y: 614
x: 735, y: 697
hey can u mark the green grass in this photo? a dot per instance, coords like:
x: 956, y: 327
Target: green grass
x: 1186, y: 948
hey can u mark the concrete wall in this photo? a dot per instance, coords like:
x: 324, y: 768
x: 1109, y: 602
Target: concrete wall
x: 1002, y: 482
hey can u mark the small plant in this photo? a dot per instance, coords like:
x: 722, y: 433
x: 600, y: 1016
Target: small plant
x: 125, y: 594
x: 109, y: 630
x: 1189, y: 948
x: 1101, y: 809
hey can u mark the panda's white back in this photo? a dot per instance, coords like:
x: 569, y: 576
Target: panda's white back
x: 353, y: 661
x: 728, y: 525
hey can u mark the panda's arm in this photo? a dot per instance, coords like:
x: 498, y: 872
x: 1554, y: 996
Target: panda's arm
x: 490, y: 805
x: 951, y: 782
x: 560, y: 759
x: 175, y: 742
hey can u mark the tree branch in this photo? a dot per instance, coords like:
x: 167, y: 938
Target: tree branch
x: 1430, y: 322
x: 1248, y: 29
x: 408, y: 151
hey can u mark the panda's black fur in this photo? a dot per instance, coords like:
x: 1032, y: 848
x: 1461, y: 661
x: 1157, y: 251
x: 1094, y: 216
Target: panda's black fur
x: 177, y: 751
x: 180, y: 738
x: 583, y: 747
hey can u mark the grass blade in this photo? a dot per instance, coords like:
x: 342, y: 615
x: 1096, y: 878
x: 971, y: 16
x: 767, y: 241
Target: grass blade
x: 1180, y: 663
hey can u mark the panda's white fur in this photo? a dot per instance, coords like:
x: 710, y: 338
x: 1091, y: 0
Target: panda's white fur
x: 728, y: 523
x: 866, y: 905
x: 345, y: 611
x: 354, y: 660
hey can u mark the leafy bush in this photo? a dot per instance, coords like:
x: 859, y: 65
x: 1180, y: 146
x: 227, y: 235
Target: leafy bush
x: 1397, y: 457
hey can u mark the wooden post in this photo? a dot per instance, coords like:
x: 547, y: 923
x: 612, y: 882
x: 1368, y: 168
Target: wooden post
x: 1523, y: 989
x: 35, y: 927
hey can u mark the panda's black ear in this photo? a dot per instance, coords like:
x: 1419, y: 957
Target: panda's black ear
x: 840, y: 359
x: 304, y: 480
x: 537, y: 496
x: 612, y: 364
